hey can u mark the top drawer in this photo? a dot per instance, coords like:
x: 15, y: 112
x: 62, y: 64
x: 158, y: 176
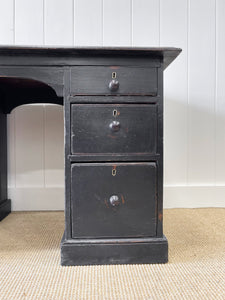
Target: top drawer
x: 113, y: 80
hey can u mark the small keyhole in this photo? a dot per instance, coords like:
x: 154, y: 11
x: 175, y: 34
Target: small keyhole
x: 114, y: 113
x: 113, y: 75
x: 113, y: 172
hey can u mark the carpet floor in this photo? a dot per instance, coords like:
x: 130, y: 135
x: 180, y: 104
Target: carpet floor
x: 30, y: 261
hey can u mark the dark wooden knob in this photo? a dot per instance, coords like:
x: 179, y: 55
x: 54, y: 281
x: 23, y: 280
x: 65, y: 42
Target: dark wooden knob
x: 114, y: 200
x: 114, y: 126
x: 114, y: 85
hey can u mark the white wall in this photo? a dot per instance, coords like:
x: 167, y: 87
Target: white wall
x: 194, y: 91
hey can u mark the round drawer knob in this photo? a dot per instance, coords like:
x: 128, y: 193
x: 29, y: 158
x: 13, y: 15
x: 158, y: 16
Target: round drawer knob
x: 114, y: 85
x: 114, y: 200
x: 114, y: 126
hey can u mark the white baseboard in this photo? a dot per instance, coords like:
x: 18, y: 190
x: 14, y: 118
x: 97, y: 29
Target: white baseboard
x: 33, y: 198
x: 194, y: 196
x: 174, y: 197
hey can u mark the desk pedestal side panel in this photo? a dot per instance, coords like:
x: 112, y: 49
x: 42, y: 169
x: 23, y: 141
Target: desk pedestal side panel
x: 5, y: 204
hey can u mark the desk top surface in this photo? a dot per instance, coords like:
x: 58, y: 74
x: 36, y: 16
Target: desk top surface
x: 167, y: 54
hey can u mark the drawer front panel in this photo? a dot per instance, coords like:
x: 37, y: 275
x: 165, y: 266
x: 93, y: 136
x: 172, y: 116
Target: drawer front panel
x: 103, y: 80
x: 109, y: 128
x: 113, y: 200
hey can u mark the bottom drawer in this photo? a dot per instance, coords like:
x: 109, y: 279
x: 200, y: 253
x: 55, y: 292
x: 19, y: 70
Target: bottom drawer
x: 113, y: 200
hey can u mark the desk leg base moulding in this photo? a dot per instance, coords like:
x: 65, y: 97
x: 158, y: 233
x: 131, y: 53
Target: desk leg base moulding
x: 5, y: 208
x: 150, y: 251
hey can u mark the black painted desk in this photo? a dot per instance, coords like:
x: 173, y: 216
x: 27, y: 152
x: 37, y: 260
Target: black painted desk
x: 113, y: 112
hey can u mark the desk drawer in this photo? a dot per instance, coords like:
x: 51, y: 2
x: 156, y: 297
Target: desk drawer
x: 103, y: 80
x: 109, y: 128
x: 113, y: 200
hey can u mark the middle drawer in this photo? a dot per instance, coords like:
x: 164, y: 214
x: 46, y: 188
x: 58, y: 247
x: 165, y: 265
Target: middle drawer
x: 113, y: 128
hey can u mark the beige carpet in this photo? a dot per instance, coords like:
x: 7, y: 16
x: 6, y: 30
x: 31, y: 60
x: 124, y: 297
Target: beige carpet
x: 30, y: 261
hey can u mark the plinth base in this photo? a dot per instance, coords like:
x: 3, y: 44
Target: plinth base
x: 119, y: 251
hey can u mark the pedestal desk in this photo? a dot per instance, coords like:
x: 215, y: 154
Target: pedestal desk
x: 113, y: 116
